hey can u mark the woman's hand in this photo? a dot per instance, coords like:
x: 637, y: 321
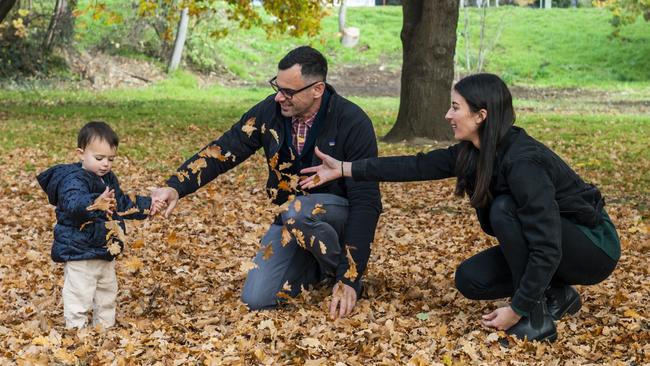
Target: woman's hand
x: 501, y: 318
x: 329, y: 170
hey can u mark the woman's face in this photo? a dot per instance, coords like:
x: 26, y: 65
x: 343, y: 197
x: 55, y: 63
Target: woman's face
x: 464, y: 122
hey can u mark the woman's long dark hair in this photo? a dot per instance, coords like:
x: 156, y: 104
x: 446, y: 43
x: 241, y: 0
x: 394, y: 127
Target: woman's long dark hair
x: 474, y: 167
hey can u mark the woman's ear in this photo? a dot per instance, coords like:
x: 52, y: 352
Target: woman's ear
x: 481, y: 116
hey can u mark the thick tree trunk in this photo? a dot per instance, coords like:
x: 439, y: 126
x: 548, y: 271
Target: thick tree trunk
x: 428, y: 47
x: 5, y: 6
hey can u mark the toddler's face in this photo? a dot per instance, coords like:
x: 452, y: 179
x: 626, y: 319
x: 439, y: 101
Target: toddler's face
x: 97, y: 157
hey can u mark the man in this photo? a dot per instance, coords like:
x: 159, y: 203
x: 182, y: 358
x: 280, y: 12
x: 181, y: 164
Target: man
x: 323, y: 234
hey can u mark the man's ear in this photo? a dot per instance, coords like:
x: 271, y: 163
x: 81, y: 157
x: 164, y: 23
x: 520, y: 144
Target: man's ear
x: 319, y: 90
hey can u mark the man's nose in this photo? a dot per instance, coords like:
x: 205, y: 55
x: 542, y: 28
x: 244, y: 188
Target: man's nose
x: 279, y: 97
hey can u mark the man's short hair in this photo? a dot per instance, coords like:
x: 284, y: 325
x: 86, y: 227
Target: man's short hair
x: 97, y: 130
x: 312, y: 62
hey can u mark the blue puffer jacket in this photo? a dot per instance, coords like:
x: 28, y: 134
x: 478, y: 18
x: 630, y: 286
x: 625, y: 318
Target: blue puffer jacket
x: 71, y: 189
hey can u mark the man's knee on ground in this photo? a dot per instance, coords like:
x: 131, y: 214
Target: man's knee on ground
x: 259, y: 301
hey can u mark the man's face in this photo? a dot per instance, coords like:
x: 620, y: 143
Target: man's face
x: 299, y: 103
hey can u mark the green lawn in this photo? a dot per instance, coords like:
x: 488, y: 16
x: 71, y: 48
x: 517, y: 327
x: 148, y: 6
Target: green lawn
x: 608, y: 147
x: 556, y: 47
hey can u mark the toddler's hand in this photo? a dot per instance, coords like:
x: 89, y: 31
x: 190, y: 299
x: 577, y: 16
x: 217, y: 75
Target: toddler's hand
x: 157, y: 206
x: 105, y: 202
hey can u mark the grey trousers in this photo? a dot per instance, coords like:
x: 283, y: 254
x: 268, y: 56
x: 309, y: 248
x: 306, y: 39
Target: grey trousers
x: 311, y: 255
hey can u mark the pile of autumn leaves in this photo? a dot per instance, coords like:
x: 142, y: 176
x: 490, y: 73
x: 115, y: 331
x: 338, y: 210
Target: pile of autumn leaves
x: 180, y: 280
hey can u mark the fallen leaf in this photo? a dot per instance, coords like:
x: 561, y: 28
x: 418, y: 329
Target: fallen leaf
x: 318, y: 209
x: 268, y: 252
x: 275, y: 136
x: 130, y: 211
x: 114, y: 248
x: 351, y: 274
x: 249, y: 126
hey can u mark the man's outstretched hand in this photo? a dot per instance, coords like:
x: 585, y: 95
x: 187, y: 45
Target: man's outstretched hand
x: 344, y: 298
x: 166, y: 195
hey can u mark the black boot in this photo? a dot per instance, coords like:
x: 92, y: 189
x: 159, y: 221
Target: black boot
x: 562, y: 300
x: 539, y: 326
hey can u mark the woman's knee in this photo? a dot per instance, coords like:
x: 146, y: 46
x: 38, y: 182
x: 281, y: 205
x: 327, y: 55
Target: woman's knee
x: 466, y: 282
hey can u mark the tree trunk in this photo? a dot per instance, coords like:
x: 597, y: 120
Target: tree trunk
x: 5, y: 7
x: 428, y: 47
x: 61, y: 24
x: 179, y: 44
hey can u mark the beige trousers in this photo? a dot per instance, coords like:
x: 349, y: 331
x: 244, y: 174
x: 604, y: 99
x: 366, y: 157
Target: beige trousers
x: 89, y: 284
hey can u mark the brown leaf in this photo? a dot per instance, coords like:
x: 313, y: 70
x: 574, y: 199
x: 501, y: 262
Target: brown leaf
x: 85, y: 224
x: 114, y: 230
x: 249, y: 126
x: 268, y: 252
x: 214, y: 151
x: 351, y: 274
x: 114, y: 248
x: 130, y: 211
x: 318, y: 209
x: 182, y: 175
x: 300, y: 238
x: 323, y: 249
x: 275, y: 136
x: 286, y: 236
x: 297, y: 205
x: 102, y: 204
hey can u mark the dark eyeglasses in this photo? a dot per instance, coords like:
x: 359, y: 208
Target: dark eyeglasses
x: 289, y: 93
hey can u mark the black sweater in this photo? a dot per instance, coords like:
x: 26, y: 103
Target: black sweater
x: 343, y: 130
x: 543, y: 186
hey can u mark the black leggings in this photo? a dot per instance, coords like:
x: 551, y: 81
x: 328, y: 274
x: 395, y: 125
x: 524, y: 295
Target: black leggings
x: 495, y: 272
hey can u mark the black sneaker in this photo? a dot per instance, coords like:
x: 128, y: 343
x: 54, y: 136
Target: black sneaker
x: 539, y: 326
x: 562, y: 300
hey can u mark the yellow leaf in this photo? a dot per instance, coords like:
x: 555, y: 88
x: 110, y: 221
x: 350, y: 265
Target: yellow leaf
x: 323, y: 250
x: 114, y: 230
x: 65, y: 357
x: 297, y: 205
x: 629, y: 313
x: 41, y: 341
x: 172, y: 239
x: 139, y: 243
x: 284, y: 166
x: 133, y: 264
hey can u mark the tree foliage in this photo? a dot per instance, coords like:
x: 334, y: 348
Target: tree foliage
x: 625, y: 12
x: 293, y: 17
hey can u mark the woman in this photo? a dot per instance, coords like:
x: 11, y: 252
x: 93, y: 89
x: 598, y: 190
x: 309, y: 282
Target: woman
x: 552, y: 229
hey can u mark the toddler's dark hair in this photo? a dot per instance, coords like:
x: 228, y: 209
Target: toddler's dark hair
x: 97, y: 130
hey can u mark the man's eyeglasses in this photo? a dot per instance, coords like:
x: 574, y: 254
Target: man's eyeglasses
x: 289, y: 93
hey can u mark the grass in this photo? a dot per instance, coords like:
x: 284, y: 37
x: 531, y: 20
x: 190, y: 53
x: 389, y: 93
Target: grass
x: 608, y: 147
x: 553, y: 47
